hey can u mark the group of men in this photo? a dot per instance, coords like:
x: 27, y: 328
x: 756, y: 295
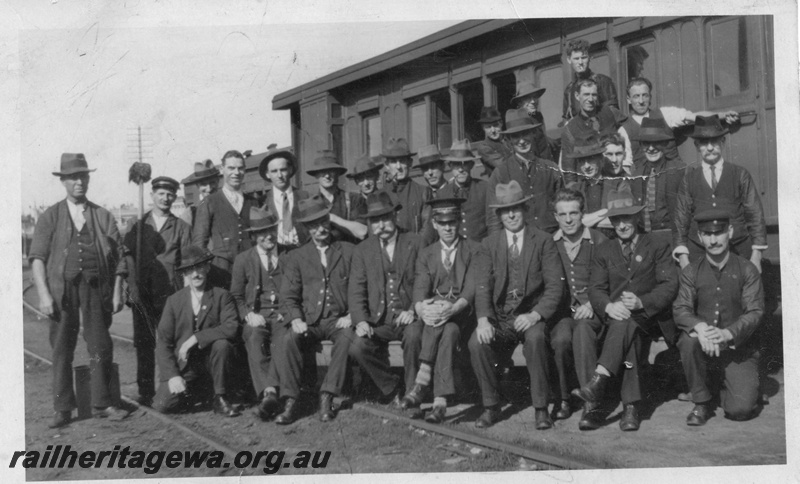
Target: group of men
x: 581, y: 254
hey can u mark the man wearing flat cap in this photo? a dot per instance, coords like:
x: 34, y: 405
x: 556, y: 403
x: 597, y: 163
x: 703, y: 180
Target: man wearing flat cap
x: 222, y: 219
x: 152, y: 278
x: 527, y: 98
x: 315, y: 308
x: 448, y: 275
x: 538, y: 178
x: 327, y: 170
x: 206, y: 177
x: 494, y: 147
x: 195, y: 341
x: 718, y: 311
x: 278, y: 167
x: 76, y: 260
x: 380, y: 291
x: 718, y: 184
x: 405, y: 191
x: 632, y: 284
x: 524, y: 291
x: 365, y: 175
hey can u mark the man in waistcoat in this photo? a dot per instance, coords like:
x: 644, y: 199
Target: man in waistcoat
x: 405, y: 191
x: 74, y: 257
x: 327, y: 170
x: 278, y: 168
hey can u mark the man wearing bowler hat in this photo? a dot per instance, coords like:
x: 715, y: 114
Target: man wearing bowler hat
x: 315, y: 308
x: 327, y: 170
x: 718, y: 310
x: 152, y: 279
x: 718, y: 184
x: 380, y: 291
x: 222, y: 219
x: 195, y: 339
x: 524, y: 291
x: 538, y: 178
x: 365, y: 174
x: 278, y: 167
x: 206, y: 177
x: 494, y: 147
x: 411, y: 196
x: 527, y: 98
x: 632, y: 285
x: 75, y: 258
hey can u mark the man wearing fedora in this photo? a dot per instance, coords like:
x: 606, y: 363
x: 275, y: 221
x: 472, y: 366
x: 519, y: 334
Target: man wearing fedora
x: 718, y: 184
x: 222, y: 219
x: 596, y: 180
x: 461, y: 160
x: 527, y: 98
x: 152, y: 278
x: 447, y: 277
x: 578, y: 58
x: 315, y: 308
x: 365, y: 175
x: 718, y: 311
x: 538, y: 178
x: 278, y: 167
x: 76, y: 260
x: 327, y: 170
x: 494, y: 148
x: 431, y: 164
x: 206, y: 177
x: 411, y: 196
x: 632, y: 284
x: 574, y: 337
x: 524, y: 291
x: 195, y: 339
x: 380, y: 290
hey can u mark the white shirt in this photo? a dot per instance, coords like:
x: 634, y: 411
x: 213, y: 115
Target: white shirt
x: 389, y: 246
x: 235, y: 198
x: 272, y: 257
x: 323, y: 258
x: 159, y: 220
x: 674, y: 117
x: 197, y: 297
x: 717, y: 171
x: 452, y: 255
x: 76, y: 212
x: 277, y: 200
x: 510, y: 239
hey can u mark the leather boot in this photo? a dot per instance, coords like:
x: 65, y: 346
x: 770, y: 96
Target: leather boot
x: 592, y: 391
x: 630, y: 418
x: 414, y: 397
x: 268, y: 406
x: 591, y: 419
x: 287, y: 416
x: 326, y: 407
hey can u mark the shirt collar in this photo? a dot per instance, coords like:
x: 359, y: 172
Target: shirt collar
x: 520, y: 235
x: 392, y: 240
x: 230, y: 193
x: 634, y: 241
x: 445, y: 247
x: 278, y: 194
x: 707, y: 166
x: 75, y: 206
x: 560, y: 234
x: 721, y: 265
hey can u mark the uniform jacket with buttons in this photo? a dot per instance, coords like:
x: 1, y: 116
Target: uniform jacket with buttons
x: 217, y: 319
x: 216, y: 220
x: 305, y: 281
x: 248, y: 271
x: 367, y: 290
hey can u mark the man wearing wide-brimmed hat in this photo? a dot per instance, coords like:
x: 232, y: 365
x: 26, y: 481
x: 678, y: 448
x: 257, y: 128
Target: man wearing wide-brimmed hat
x: 527, y: 98
x: 430, y: 163
x: 632, y: 285
x: 524, y: 291
x: 206, y: 177
x: 448, y: 275
x: 578, y: 58
x: 164, y: 239
x: 315, y: 308
x: 381, y: 286
x: 494, y: 147
x: 195, y: 339
x: 406, y: 192
x: 538, y: 178
x: 77, y: 265
x: 365, y: 174
x: 717, y: 183
x: 589, y: 162
x: 657, y: 179
x: 327, y: 170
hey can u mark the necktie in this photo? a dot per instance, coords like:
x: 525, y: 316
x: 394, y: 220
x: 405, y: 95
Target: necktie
x: 626, y: 250
x: 448, y: 264
x: 269, y: 264
x: 713, y: 178
x: 385, y: 249
x: 651, y: 200
x: 514, y: 247
x: 80, y: 220
x: 286, y: 221
x: 323, y: 257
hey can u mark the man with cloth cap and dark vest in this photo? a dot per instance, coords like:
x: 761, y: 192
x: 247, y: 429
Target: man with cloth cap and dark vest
x: 411, y: 196
x: 718, y: 310
x: 206, y: 177
x: 381, y: 286
x: 716, y: 183
x: 327, y: 170
x: 76, y: 260
x: 495, y: 147
x: 524, y: 291
x: 152, y: 278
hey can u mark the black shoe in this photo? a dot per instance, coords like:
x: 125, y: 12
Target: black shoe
x: 542, y: 418
x: 591, y: 419
x: 287, y: 416
x: 114, y: 414
x: 269, y: 406
x: 489, y: 417
x: 394, y: 397
x: 630, y: 418
x: 699, y: 415
x: 436, y: 415
x: 592, y: 391
x: 60, y: 419
x: 145, y: 400
x: 221, y: 406
x: 326, y: 407
x: 563, y: 410
x: 414, y: 397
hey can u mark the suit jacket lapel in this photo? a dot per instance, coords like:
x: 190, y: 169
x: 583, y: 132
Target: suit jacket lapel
x: 205, y: 307
x: 638, y: 255
x: 334, y: 255
x: 378, y: 268
x: 501, y: 271
x: 400, y: 256
x: 526, y: 256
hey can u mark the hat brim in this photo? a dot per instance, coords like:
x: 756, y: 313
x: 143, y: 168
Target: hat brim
x: 196, y: 179
x: 383, y: 211
x: 72, y: 172
x: 522, y: 200
x: 535, y: 93
x: 447, y: 217
x: 461, y: 159
x: 578, y: 156
x: 253, y: 230
x: 645, y: 138
x: 715, y: 134
x: 314, y: 216
x: 262, y: 165
x: 391, y: 156
x: 519, y: 129
x: 196, y: 263
x: 632, y: 210
x: 339, y: 168
x: 490, y: 120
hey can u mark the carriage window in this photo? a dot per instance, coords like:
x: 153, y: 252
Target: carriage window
x: 372, y: 133
x: 418, y: 125
x: 442, y: 123
x: 600, y: 63
x: 728, y: 56
x: 551, y: 78
x: 640, y: 61
x: 471, y: 95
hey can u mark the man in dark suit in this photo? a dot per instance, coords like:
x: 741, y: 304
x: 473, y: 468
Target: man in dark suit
x: 223, y: 218
x: 257, y: 278
x: 195, y: 339
x: 474, y: 190
x: 718, y: 310
x: 381, y: 286
x: 152, y: 278
x: 632, y: 285
x: 448, y: 275
x: 365, y: 174
x: 527, y: 98
x: 76, y: 258
x: 524, y: 292
x: 314, y: 295
x: 327, y: 170
x: 494, y: 148
x: 715, y: 183
x: 405, y: 191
